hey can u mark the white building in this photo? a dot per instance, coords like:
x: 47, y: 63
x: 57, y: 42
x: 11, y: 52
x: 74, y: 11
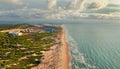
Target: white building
x: 15, y: 33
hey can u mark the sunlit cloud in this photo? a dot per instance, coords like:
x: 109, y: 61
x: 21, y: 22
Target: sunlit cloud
x: 98, y: 5
x: 16, y: 2
x: 73, y: 9
x: 82, y: 4
x: 52, y: 4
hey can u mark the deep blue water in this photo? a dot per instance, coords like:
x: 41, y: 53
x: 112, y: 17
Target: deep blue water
x: 94, y: 45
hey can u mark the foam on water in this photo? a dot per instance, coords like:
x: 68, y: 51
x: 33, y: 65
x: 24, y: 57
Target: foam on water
x: 78, y: 58
x: 94, y: 45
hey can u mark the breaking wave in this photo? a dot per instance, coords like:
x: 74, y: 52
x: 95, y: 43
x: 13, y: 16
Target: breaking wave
x: 78, y: 59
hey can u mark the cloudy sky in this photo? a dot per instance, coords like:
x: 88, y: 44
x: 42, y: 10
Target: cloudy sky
x: 59, y: 9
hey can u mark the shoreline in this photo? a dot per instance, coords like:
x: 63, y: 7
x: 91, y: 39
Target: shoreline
x: 58, y: 57
x: 65, y: 59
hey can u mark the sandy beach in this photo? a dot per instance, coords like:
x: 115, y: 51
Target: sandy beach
x: 64, y: 53
x: 58, y: 56
x: 11, y: 30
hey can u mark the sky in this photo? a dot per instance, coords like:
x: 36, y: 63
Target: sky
x: 59, y: 9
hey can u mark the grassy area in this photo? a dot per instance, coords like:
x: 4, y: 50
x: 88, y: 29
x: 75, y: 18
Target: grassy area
x: 24, y: 52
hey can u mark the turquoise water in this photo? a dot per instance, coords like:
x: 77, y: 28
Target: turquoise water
x: 94, y: 45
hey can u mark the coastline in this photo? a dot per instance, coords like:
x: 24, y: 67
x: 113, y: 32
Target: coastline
x: 58, y: 56
x: 64, y: 52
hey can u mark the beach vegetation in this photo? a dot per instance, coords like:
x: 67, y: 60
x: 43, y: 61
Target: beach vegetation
x: 23, y: 52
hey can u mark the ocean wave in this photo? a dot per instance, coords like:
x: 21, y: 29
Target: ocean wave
x: 78, y: 59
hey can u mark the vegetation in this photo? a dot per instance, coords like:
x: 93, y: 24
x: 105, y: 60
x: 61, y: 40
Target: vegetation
x: 12, y: 26
x: 19, y: 52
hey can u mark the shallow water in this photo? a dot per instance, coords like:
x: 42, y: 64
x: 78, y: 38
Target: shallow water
x: 94, y: 45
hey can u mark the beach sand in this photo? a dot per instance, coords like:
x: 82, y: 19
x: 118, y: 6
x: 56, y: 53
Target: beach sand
x: 11, y: 30
x: 64, y: 53
x: 58, y: 57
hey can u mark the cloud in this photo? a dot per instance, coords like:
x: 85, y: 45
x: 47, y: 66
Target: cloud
x: 76, y: 4
x: 105, y: 16
x: 82, y: 4
x: 33, y: 13
x: 74, y: 14
x: 16, y: 2
x: 52, y: 4
x: 27, y: 12
x: 73, y: 4
x: 98, y: 5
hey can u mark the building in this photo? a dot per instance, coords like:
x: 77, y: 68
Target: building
x: 15, y: 33
x: 49, y: 30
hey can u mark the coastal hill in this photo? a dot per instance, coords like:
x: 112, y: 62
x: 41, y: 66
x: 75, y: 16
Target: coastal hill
x: 26, y: 50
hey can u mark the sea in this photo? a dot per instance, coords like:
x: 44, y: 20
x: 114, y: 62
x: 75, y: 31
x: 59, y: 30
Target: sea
x: 94, y: 44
